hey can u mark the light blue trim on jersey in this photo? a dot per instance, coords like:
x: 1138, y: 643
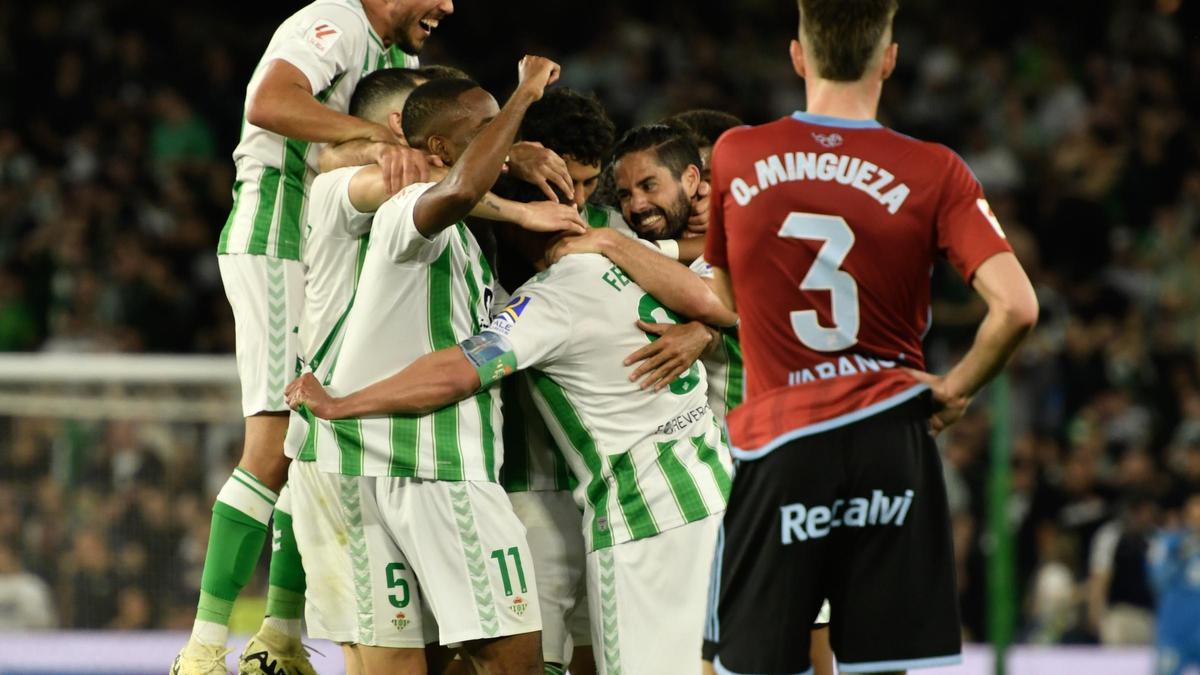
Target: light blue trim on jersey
x: 712, y: 626
x: 722, y: 670
x: 833, y: 423
x: 831, y: 121
x: 902, y: 664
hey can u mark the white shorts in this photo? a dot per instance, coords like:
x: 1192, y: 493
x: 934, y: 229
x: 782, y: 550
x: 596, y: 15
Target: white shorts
x: 463, y: 551
x: 267, y: 297
x: 361, y: 589
x: 648, y: 599
x: 553, y: 528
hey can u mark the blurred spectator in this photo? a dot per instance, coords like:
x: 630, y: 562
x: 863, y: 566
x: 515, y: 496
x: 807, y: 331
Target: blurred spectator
x: 25, y: 599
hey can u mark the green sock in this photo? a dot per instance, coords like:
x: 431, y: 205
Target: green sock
x: 285, y: 596
x: 553, y: 669
x: 235, y: 540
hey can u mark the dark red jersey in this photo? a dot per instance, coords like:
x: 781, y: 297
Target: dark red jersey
x: 829, y: 229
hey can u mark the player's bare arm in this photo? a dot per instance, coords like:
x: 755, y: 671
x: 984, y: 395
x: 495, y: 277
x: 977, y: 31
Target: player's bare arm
x: 368, y: 191
x: 723, y: 287
x: 284, y: 104
x: 430, y: 383
x: 672, y: 284
x: 476, y: 171
x: 1012, y: 313
x: 690, y: 248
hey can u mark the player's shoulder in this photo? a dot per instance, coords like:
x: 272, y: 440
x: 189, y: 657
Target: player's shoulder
x: 324, y: 22
x: 328, y: 180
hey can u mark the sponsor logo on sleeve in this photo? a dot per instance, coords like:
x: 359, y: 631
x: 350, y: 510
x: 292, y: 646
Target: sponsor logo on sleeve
x: 506, y: 318
x: 322, y: 35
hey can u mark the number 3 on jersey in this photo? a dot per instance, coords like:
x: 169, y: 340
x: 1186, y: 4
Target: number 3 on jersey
x: 826, y: 275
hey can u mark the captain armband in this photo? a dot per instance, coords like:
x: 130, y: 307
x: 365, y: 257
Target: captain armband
x: 492, y: 356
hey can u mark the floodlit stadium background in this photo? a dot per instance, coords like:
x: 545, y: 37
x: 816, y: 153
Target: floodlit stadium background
x: 1079, y: 118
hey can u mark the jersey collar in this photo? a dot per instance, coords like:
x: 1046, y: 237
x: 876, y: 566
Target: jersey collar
x: 830, y: 121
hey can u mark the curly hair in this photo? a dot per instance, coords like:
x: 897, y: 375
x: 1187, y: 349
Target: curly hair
x: 571, y: 124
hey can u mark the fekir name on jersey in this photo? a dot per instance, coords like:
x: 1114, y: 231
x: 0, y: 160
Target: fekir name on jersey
x: 646, y: 461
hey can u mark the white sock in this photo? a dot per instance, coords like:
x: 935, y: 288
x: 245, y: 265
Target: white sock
x: 210, y: 633
x: 289, y: 627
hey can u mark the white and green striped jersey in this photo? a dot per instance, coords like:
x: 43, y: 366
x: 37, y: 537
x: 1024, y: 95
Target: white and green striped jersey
x: 415, y: 296
x: 646, y: 461
x: 333, y: 44
x: 605, y: 216
x: 335, y: 244
x: 725, y: 375
x: 533, y: 462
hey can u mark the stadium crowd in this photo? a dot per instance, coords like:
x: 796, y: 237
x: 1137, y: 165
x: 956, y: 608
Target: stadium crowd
x: 115, y: 177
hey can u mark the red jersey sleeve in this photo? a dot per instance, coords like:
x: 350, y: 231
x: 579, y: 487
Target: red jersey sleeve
x: 968, y: 233
x: 714, y: 246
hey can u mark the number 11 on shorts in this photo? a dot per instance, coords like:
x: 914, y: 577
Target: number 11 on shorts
x: 498, y: 556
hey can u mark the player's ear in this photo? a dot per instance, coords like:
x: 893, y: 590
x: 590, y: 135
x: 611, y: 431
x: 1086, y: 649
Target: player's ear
x: 440, y: 146
x: 691, y: 180
x: 797, y: 53
x: 393, y: 124
x: 889, y: 59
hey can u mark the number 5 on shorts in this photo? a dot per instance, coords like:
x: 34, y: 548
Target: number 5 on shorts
x: 498, y: 555
x: 394, y: 580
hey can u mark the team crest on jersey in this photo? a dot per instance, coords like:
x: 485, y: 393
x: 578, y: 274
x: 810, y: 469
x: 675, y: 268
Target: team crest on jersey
x: 519, y: 606
x: 321, y: 35
x: 400, y: 621
x: 505, y: 318
x: 828, y: 140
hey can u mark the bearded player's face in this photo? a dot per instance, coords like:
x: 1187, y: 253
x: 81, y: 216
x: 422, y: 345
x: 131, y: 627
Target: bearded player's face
x: 653, y: 200
x: 413, y: 21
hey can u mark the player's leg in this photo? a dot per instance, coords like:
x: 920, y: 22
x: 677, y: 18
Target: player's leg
x: 363, y: 592
x: 354, y: 664
x: 769, y: 573
x: 820, y: 652
x: 266, y: 296
x: 556, y: 545
x: 648, y: 600
x: 469, y: 551
x: 583, y: 661
x: 895, y: 605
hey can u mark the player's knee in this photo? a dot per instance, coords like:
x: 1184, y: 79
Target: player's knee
x: 513, y: 655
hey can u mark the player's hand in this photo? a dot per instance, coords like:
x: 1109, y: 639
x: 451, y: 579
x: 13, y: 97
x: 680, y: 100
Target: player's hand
x: 662, y: 361
x: 307, y: 391
x: 593, y: 241
x: 953, y: 405
x: 402, y: 166
x: 540, y: 166
x: 698, y: 219
x: 552, y: 217
x: 535, y: 73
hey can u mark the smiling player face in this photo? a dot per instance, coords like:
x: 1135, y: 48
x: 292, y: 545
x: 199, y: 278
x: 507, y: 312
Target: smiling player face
x: 413, y: 21
x: 654, y: 202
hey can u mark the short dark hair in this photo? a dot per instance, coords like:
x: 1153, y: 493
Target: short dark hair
x: 705, y: 125
x: 377, y: 87
x: 571, y: 124
x: 434, y: 100
x: 843, y: 34
x: 673, y: 147
x: 442, y: 73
